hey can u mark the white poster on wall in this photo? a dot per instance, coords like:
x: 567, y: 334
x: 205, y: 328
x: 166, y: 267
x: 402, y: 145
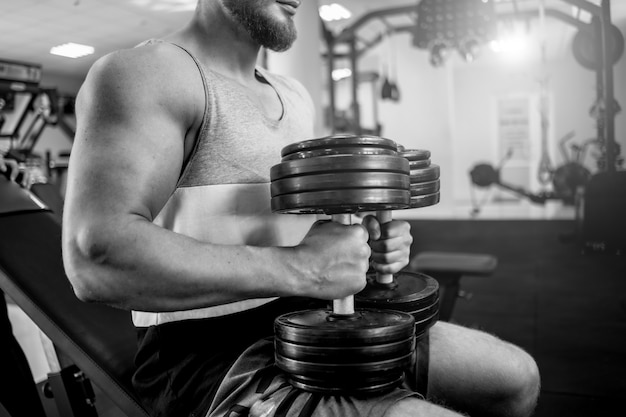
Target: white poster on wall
x: 514, y: 143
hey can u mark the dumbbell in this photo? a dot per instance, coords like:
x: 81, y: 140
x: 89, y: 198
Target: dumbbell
x: 412, y: 292
x: 343, y: 349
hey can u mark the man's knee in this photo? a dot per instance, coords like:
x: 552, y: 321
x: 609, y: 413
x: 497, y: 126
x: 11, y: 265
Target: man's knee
x: 478, y: 373
x: 515, y: 389
x: 523, y: 383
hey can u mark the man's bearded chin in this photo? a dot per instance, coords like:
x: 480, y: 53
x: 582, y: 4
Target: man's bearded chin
x: 263, y: 28
x: 277, y: 39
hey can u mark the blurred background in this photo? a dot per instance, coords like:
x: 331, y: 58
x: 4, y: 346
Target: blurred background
x: 518, y: 101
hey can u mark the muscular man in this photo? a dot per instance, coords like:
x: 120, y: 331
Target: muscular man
x: 167, y: 214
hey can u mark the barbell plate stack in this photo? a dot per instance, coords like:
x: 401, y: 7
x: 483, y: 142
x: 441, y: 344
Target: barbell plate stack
x: 414, y: 165
x: 344, y: 354
x: 425, y: 188
x: 430, y: 173
x: 339, y: 163
x: 412, y: 292
x: 366, y: 352
x: 340, y: 141
x: 415, y: 154
x: 321, y: 327
x: 342, y: 201
x: 343, y: 150
x: 338, y: 181
x: 334, y: 386
x: 356, y: 369
x: 424, y: 200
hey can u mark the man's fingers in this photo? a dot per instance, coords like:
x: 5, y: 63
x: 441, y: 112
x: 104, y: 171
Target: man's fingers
x: 372, y: 226
x: 262, y: 408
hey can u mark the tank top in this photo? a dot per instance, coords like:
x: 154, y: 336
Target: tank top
x: 223, y: 193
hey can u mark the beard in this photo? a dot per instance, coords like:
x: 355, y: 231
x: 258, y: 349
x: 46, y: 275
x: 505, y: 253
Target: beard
x: 263, y: 28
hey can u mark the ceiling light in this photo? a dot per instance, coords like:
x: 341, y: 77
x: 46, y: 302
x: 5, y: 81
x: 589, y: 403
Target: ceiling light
x: 334, y: 11
x: 167, y: 5
x: 72, y: 50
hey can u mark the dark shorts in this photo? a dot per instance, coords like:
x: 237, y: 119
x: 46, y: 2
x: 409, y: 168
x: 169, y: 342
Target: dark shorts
x: 222, y: 366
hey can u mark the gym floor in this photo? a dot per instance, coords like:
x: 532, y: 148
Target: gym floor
x: 566, y: 308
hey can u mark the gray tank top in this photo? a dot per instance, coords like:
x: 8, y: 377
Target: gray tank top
x: 223, y: 194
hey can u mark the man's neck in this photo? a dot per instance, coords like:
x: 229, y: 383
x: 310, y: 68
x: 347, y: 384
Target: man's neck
x: 220, y: 44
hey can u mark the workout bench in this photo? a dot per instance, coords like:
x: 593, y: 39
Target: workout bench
x: 93, y: 342
x: 448, y: 268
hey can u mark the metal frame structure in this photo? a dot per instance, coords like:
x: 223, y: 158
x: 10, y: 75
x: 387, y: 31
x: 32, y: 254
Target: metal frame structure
x: 601, y: 27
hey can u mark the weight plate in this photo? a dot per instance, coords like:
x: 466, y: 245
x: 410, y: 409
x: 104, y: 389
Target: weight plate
x: 585, y: 47
x: 352, y: 386
x: 340, y: 150
x: 321, y: 327
x: 425, y: 174
x: 341, y: 201
x: 356, y: 369
x: 424, y: 163
x: 426, y: 323
x: 339, y: 163
x: 423, y: 188
x: 341, y: 180
x: 343, y: 354
x: 415, y: 154
x: 339, y: 141
x: 424, y: 200
x: 409, y: 291
x: 419, y: 315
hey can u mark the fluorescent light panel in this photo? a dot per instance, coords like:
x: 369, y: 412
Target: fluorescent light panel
x: 167, y: 5
x: 334, y: 11
x: 72, y: 50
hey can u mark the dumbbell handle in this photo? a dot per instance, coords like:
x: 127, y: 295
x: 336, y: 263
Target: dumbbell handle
x: 384, y: 216
x: 345, y: 305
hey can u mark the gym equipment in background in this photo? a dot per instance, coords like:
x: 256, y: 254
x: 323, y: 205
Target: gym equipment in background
x: 566, y: 179
x: 26, y: 110
x: 92, y: 342
x: 600, y: 214
x: 444, y: 25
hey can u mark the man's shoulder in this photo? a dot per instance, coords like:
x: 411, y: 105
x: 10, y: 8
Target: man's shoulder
x: 149, y: 55
x: 148, y: 63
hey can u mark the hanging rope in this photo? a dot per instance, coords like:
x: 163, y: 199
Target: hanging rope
x: 546, y: 169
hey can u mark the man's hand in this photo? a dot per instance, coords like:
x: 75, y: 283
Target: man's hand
x: 390, y: 243
x: 334, y: 259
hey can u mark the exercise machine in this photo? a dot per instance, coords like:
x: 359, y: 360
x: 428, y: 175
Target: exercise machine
x: 26, y: 110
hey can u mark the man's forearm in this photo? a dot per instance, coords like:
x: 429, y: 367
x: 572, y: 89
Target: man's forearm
x: 141, y: 266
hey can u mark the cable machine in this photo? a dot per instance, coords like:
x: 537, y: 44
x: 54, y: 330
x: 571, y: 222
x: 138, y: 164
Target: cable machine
x: 26, y: 110
x: 597, y: 46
